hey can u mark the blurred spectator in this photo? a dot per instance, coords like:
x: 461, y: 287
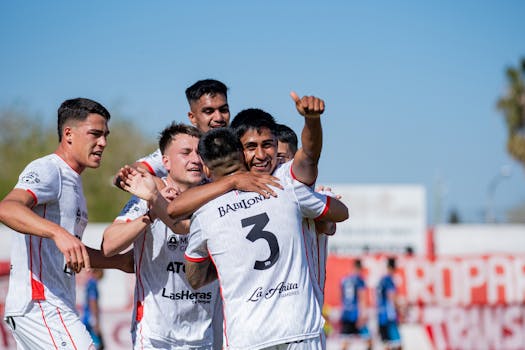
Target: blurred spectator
x: 91, y: 314
x: 354, y: 317
x: 388, y: 308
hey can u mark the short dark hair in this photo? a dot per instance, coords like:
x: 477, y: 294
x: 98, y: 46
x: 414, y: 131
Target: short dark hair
x: 78, y: 109
x: 391, y: 262
x: 220, y: 144
x: 172, y: 130
x: 286, y: 135
x: 210, y: 87
x: 358, y: 264
x: 253, y: 118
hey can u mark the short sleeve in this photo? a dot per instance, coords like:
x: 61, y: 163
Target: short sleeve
x: 313, y: 205
x: 197, y: 249
x: 42, y: 178
x: 133, y: 209
x: 154, y: 164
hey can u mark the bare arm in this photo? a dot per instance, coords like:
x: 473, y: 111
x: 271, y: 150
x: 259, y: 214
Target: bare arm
x: 120, y: 234
x: 123, y: 262
x: 337, y: 211
x: 200, y: 274
x: 192, y: 199
x: 15, y: 212
x: 307, y: 157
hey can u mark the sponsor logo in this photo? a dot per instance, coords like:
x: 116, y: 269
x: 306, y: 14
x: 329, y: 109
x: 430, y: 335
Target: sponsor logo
x: 31, y: 178
x: 283, y: 289
x: 176, y: 267
x: 243, y: 204
x: 194, y: 297
x: 174, y: 241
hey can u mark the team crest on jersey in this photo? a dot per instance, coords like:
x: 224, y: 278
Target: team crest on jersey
x: 172, y: 242
x: 80, y: 215
x: 31, y: 178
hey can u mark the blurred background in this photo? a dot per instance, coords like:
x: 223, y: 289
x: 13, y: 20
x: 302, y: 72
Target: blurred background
x: 424, y: 131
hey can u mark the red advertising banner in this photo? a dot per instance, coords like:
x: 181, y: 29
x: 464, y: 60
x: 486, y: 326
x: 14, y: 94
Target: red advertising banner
x: 463, y: 302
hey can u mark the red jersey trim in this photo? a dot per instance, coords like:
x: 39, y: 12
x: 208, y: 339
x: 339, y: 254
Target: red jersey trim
x: 150, y: 169
x: 295, y: 178
x: 326, y: 207
x: 35, y: 200
x: 196, y: 260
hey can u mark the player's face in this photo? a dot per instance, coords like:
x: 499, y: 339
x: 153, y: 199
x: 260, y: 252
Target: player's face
x: 210, y: 112
x: 88, y: 139
x: 182, y: 161
x: 284, y: 152
x: 260, y: 150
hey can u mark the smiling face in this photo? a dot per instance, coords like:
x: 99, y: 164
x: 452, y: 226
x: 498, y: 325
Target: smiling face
x: 209, y: 112
x: 260, y: 150
x: 183, y: 162
x: 86, y: 141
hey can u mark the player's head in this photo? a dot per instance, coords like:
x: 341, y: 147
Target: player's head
x: 287, y: 143
x: 221, y: 152
x: 82, y: 131
x: 256, y: 129
x: 358, y: 266
x: 208, y: 101
x: 391, y: 264
x: 178, y: 144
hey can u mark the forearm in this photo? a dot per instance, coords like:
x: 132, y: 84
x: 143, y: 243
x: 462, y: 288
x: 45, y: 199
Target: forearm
x: 21, y: 218
x: 200, y: 274
x: 306, y: 160
x: 192, y: 199
x: 337, y: 211
x: 120, y: 235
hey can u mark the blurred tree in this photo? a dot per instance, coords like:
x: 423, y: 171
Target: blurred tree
x: 516, y: 215
x: 23, y: 137
x: 453, y: 217
x: 512, y: 104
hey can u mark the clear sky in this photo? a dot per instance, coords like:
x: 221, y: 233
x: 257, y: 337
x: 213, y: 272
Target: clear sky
x: 410, y: 86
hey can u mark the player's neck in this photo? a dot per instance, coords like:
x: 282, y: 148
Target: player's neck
x: 65, y: 153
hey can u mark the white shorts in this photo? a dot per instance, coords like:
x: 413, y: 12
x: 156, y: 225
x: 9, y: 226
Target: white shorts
x: 142, y: 341
x: 47, y: 327
x: 307, y: 344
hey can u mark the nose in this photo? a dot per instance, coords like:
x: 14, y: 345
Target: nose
x: 260, y: 153
x: 102, y: 141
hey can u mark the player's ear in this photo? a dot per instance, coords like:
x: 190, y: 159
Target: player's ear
x: 67, y: 134
x: 166, y: 162
x: 192, y: 119
x: 206, y: 170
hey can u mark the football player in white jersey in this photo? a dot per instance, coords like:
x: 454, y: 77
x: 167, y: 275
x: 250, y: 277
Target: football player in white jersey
x: 48, y: 209
x: 257, y: 247
x: 208, y: 102
x: 168, y: 313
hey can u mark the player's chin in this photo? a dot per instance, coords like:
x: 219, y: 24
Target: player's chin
x: 94, y: 161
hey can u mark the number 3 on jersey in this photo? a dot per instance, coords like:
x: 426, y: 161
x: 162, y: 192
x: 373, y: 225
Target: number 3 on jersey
x: 257, y: 232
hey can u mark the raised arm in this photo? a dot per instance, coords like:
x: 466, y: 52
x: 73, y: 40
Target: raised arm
x: 16, y: 213
x: 307, y: 157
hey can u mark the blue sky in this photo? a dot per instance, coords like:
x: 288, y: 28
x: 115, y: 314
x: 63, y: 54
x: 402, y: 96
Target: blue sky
x: 410, y: 86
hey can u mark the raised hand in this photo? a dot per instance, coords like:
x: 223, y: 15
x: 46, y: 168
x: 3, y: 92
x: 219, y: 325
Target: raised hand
x: 138, y: 182
x: 308, y: 106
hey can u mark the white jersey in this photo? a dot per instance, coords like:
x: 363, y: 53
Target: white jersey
x: 38, y: 268
x: 166, y: 307
x: 317, y: 252
x: 153, y: 162
x: 258, y: 249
